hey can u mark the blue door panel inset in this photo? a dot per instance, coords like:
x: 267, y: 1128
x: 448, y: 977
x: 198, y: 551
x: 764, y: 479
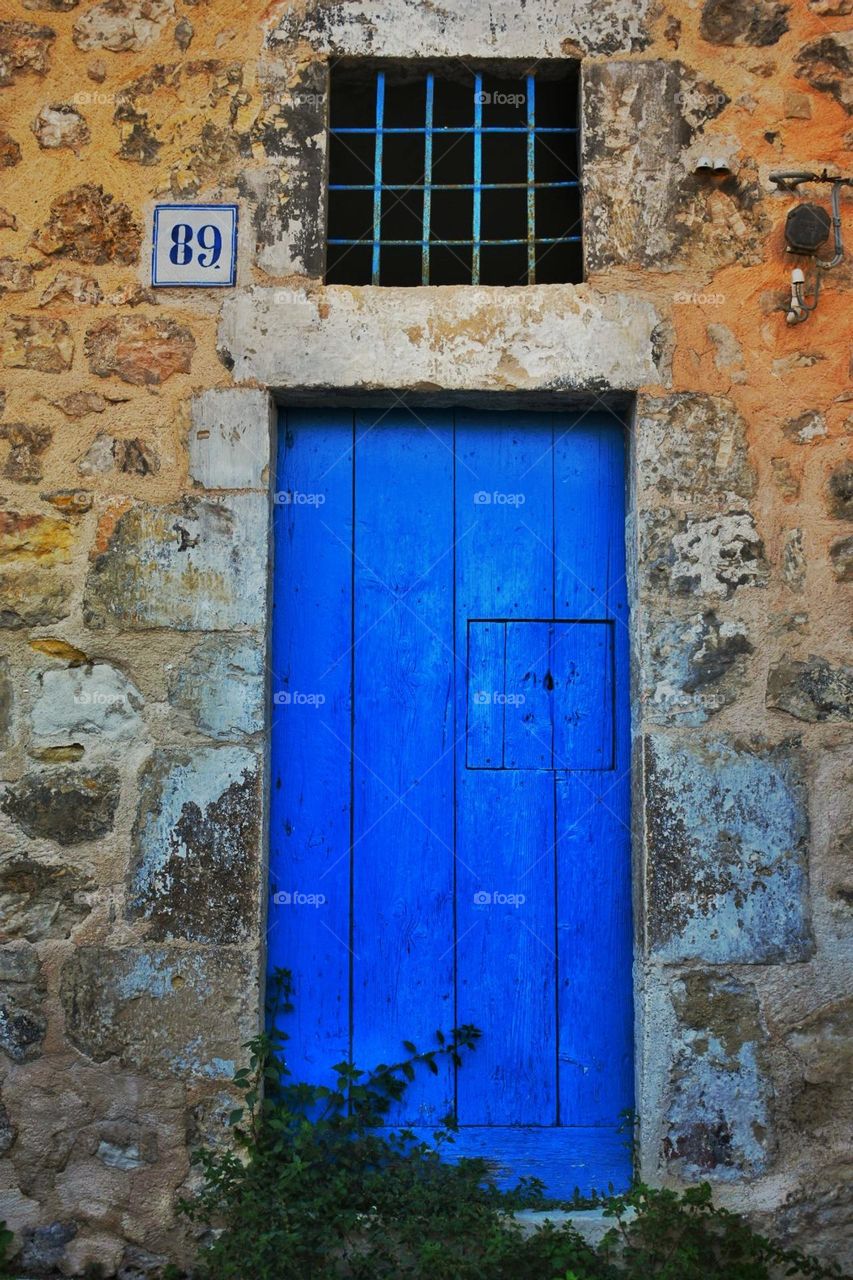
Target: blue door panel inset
x: 450, y: 804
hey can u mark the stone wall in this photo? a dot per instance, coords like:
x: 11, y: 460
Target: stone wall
x: 134, y: 448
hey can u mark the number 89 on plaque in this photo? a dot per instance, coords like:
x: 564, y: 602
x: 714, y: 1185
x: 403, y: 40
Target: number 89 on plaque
x: 195, y: 245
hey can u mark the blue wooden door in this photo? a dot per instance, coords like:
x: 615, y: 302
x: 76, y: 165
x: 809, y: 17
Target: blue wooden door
x: 450, y: 800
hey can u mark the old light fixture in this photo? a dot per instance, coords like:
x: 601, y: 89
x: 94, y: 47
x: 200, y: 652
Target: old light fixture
x: 807, y: 228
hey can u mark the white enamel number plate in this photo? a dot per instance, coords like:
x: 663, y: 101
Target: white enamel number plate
x: 194, y: 244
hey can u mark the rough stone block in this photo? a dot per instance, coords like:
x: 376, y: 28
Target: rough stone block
x: 690, y: 447
x: 739, y: 22
x: 642, y: 204
x: 141, y: 350
x: 704, y: 556
x: 221, y: 686
x: 840, y: 490
x: 794, y: 561
x: 129, y: 455
x: 806, y: 427
x: 692, y: 667
x: 87, y: 224
x: 75, y: 1137
x: 727, y: 852
x: 26, y: 446
x: 15, y: 276
x: 33, y: 549
x: 819, y: 1211
x: 230, y: 439
x: 39, y: 900
x: 44, y: 1248
x: 196, y: 846
x: 10, y: 151
x: 122, y: 25
x: 92, y: 702
x: 812, y: 690
x: 8, y: 1131
x: 291, y: 233
x: 170, y: 1011
x: 24, y: 47
x: 36, y: 342
x: 200, y: 565
x: 22, y: 989
x: 841, y: 558
x: 823, y: 1044
x: 827, y: 64
x: 139, y: 1264
x: 58, y: 124
x: 68, y: 806
x: 719, y: 1120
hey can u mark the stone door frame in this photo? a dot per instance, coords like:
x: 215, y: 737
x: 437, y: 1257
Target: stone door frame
x: 232, y: 449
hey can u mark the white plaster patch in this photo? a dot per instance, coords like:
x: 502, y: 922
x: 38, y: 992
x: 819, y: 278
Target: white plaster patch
x: 229, y: 442
x: 93, y: 701
x: 221, y: 686
x: 542, y: 337
x: 719, y: 554
x: 412, y: 29
x: 196, y: 565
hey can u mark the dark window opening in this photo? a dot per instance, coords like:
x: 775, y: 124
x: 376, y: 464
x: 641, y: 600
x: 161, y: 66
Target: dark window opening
x: 454, y: 176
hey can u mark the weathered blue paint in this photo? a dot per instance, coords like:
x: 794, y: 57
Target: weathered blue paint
x: 728, y: 826
x: 377, y: 176
x: 476, y: 233
x: 426, y: 230
x: 531, y: 179
x: 449, y: 825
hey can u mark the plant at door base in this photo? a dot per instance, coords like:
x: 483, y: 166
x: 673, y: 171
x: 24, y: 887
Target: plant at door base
x: 315, y: 1188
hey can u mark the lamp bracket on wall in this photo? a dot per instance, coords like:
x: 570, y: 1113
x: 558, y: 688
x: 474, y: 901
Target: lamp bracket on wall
x: 807, y: 228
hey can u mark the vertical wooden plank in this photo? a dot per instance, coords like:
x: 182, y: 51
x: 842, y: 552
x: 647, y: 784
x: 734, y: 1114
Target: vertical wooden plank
x: 529, y: 731
x: 593, y: 838
x: 404, y: 746
x: 486, y: 661
x: 310, y: 809
x: 589, y: 489
x: 504, y: 821
x: 582, y: 672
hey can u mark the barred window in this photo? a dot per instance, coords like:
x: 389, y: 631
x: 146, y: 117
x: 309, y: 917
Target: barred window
x: 454, y: 176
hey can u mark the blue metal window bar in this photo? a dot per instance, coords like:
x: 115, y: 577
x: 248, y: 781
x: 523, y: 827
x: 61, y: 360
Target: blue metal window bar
x: 379, y: 131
